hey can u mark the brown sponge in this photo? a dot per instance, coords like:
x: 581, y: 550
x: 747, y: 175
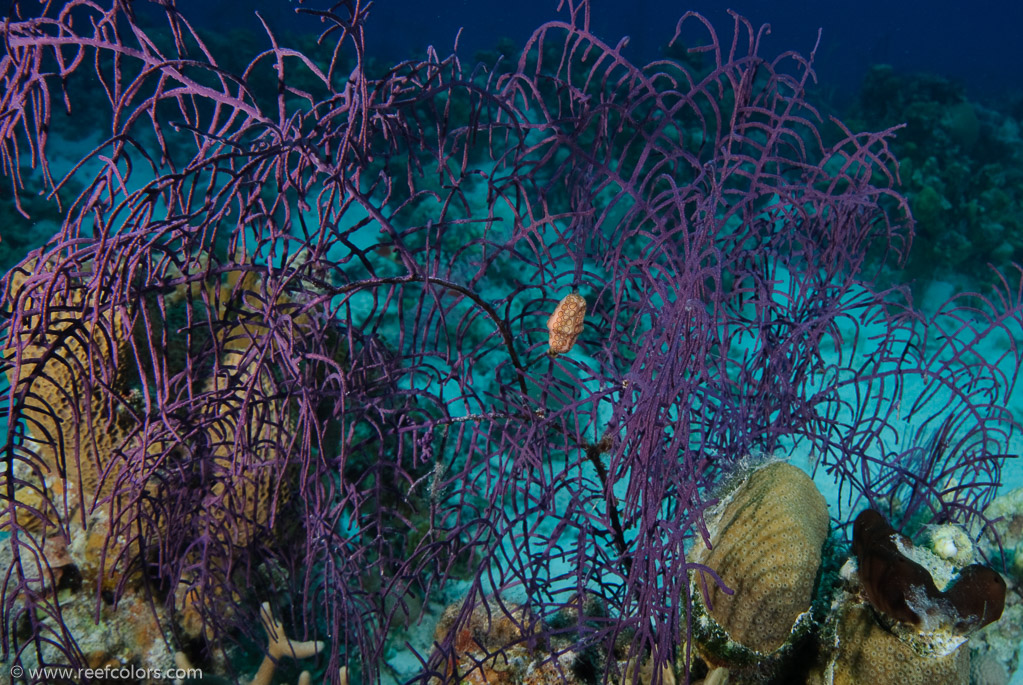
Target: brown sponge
x: 901, y: 588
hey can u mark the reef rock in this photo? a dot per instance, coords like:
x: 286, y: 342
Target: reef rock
x: 490, y: 648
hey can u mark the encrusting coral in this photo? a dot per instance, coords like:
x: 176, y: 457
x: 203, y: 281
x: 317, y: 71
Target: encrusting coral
x: 868, y: 653
x: 951, y: 543
x: 986, y: 669
x: 766, y: 541
x: 905, y: 613
x: 489, y: 631
x: 1002, y: 641
x: 496, y: 646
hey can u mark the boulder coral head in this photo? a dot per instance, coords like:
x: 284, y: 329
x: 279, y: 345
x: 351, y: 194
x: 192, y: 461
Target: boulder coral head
x: 778, y: 514
x: 903, y: 590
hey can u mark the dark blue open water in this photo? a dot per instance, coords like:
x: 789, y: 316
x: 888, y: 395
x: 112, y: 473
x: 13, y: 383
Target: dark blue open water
x: 976, y: 43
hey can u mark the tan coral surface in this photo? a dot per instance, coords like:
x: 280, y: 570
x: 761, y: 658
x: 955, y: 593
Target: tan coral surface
x: 75, y: 357
x: 870, y: 655
x: 767, y: 540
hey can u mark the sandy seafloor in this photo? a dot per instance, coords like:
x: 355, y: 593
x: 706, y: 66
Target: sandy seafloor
x: 65, y: 153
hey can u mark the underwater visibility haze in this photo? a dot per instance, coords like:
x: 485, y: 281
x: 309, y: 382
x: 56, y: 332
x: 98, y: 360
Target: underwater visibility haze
x: 330, y: 355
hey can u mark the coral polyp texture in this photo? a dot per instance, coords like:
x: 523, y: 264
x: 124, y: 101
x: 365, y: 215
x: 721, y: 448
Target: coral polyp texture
x: 867, y: 653
x: 766, y: 544
x: 293, y: 341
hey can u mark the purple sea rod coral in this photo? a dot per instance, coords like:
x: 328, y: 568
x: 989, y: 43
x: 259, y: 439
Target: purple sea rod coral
x: 329, y: 291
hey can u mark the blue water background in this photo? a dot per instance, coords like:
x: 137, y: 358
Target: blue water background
x: 977, y: 45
